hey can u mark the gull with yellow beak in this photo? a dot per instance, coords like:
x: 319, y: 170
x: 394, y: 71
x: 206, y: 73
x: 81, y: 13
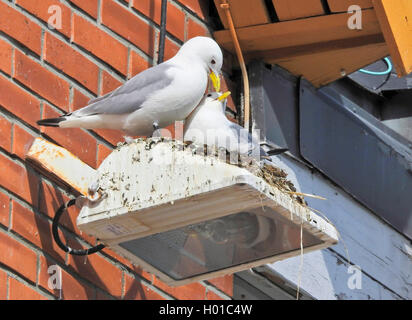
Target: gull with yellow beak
x: 154, y: 98
x: 208, y: 125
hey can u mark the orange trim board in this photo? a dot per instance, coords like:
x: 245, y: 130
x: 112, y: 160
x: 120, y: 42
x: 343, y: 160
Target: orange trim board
x: 395, y: 19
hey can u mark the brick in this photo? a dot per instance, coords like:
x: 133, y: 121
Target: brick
x: 3, y: 285
x: 210, y: 295
x: 150, y: 8
x: 5, y: 134
x: 170, y: 49
x: 120, y: 20
x: 142, y: 273
x: 174, y: 131
x: 44, y: 10
x: 124, y: 261
x: 153, y: 10
x: 17, y: 180
x: 117, y: 257
x: 5, y: 56
x: 196, y: 6
x: 100, y: 295
x: 224, y: 284
x: 195, y: 29
x: 41, y: 80
x: 19, y: 102
x: 79, y: 100
x: 36, y: 229
x: 102, y: 153
x: 136, y: 290
x: 109, y: 83
x: 20, y: 28
x: 18, y: 257
x: 168, y: 132
x: 4, y: 210
x: 111, y: 136
x: 22, y: 141
x: 101, y: 44
x: 137, y: 64
x: 20, y: 291
x: 71, y: 288
x: 193, y: 291
x: 77, y: 141
x: 51, y: 199
x: 71, y: 62
x: 175, y: 21
x: 99, y: 271
x: 89, y: 6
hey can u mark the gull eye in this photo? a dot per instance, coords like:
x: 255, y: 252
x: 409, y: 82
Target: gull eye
x: 213, y: 61
x: 209, y: 95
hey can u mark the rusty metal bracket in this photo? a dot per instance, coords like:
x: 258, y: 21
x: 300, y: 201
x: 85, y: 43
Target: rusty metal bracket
x: 59, y: 163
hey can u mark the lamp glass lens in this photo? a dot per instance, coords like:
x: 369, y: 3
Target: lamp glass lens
x: 221, y: 243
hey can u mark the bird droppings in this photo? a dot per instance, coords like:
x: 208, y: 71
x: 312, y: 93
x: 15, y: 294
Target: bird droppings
x: 130, y: 188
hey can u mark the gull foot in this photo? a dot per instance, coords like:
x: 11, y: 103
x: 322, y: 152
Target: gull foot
x: 128, y: 139
x: 93, y: 188
x: 156, y: 130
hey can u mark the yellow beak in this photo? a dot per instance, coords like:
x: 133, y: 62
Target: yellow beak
x: 224, y: 96
x: 215, y: 80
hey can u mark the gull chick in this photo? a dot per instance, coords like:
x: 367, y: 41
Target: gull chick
x: 208, y: 125
x: 154, y: 98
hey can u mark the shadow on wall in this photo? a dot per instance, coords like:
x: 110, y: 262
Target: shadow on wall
x: 78, y: 266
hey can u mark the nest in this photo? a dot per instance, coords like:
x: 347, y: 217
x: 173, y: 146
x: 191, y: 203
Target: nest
x: 278, y: 178
x: 261, y: 168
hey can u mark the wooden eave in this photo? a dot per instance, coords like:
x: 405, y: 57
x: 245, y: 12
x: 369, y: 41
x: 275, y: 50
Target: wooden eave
x: 313, y: 40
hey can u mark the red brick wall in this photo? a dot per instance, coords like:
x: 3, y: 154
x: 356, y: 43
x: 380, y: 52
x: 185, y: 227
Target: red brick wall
x: 44, y: 73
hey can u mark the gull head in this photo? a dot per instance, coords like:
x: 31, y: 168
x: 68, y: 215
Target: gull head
x: 216, y: 100
x: 208, y: 51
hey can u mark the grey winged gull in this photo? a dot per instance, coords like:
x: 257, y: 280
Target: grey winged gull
x: 154, y: 98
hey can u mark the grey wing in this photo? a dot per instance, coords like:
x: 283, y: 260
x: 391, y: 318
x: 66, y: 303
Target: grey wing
x: 131, y: 95
x: 91, y: 101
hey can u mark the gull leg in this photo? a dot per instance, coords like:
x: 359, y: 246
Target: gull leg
x: 128, y: 139
x: 156, y: 130
x: 94, y: 187
x: 95, y: 193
